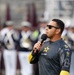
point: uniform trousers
(10, 58)
(26, 67)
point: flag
(8, 16)
(31, 14)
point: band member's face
(71, 29)
(43, 24)
(10, 27)
(25, 28)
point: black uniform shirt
(53, 57)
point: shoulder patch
(66, 47)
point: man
(9, 38)
(25, 46)
(36, 36)
(53, 56)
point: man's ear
(58, 31)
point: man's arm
(65, 60)
(33, 57)
(63, 72)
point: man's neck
(55, 38)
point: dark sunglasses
(50, 27)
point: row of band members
(13, 42)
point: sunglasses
(50, 27)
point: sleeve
(33, 57)
(65, 60)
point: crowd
(15, 43)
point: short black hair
(60, 24)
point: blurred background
(18, 10)
(37, 13)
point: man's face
(51, 29)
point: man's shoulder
(64, 43)
(65, 46)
